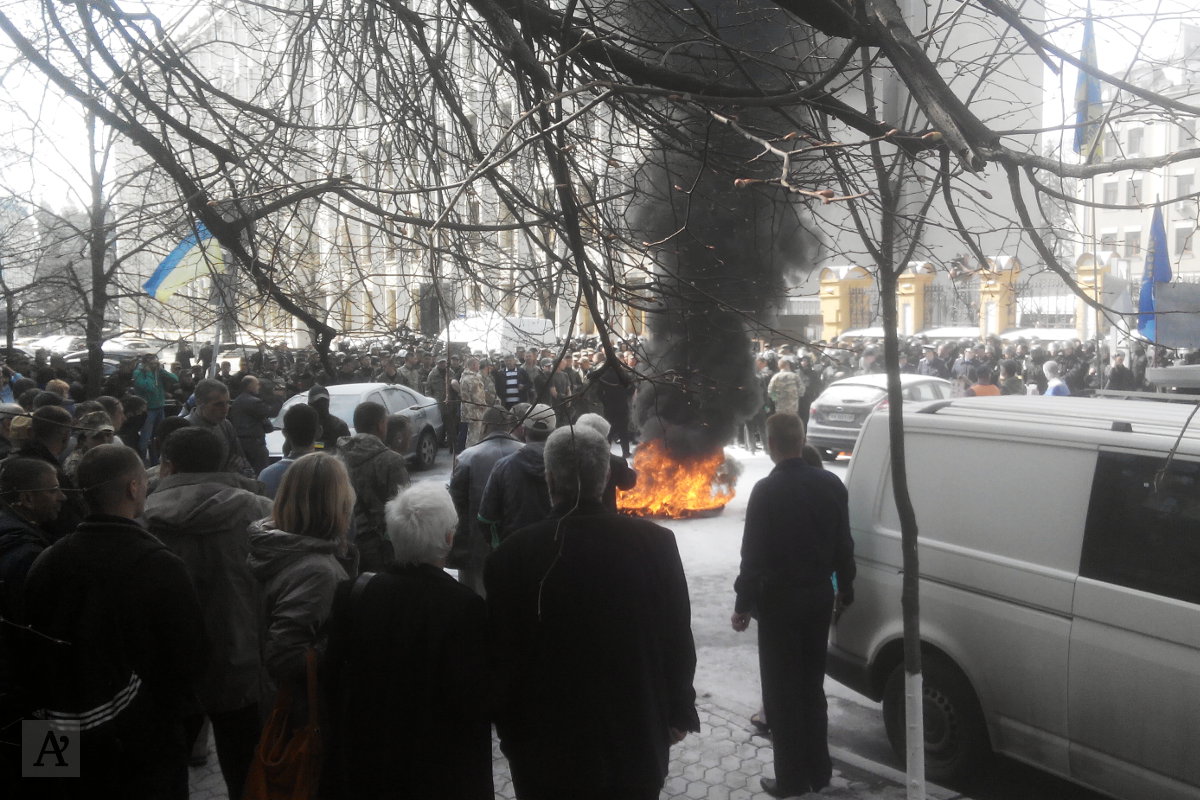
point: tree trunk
(909, 596)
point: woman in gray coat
(299, 555)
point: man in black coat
(49, 434)
(592, 626)
(251, 419)
(797, 535)
(29, 499)
(119, 640)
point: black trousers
(793, 632)
(236, 735)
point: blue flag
(1088, 109)
(1157, 270)
(197, 255)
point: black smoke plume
(721, 252)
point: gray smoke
(724, 251)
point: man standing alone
(797, 534)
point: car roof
(878, 380)
(354, 388)
(1110, 421)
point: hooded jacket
(297, 576)
(376, 473)
(516, 494)
(205, 519)
(20, 543)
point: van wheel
(956, 739)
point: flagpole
(1095, 242)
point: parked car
(423, 415)
(112, 361)
(838, 413)
(1059, 588)
(59, 343)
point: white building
(361, 259)
(1119, 231)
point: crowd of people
(149, 593)
(791, 378)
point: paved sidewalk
(722, 762)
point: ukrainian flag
(1089, 111)
(197, 255)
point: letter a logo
(48, 750)
(51, 744)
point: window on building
(1143, 525)
(474, 215)
(1108, 242)
(1133, 139)
(1185, 184)
(1134, 191)
(1183, 241)
(1133, 243)
(1185, 133)
(1111, 150)
(508, 238)
(1108, 193)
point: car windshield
(852, 393)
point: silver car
(838, 414)
(425, 420)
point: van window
(1143, 526)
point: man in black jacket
(251, 419)
(797, 535)
(118, 639)
(377, 473)
(29, 499)
(49, 433)
(212, 412)
(591, 617)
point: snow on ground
(727, 662)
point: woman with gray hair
(407, 669)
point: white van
(1060, 587)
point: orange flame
(667, 487)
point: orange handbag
(287, 761)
